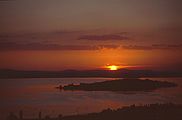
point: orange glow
(50, 60)
(113, 67)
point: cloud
(104, 37)
(154, 47)
(8, 46)
(36, 35)
(61, 36)
(14, 45)
(55, 40)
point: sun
(113, 67)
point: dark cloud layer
(61, 36)
(61, 40)
(154, 47)
(37, 35)
(7, 46)
(104, 37)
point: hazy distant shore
(122, 73)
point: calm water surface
(39, 94)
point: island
(132, 84)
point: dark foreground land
(120, 85)
(147, 112)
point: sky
(89, 34)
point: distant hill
(122, 73)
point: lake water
(39, 94)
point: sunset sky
(89, 34)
